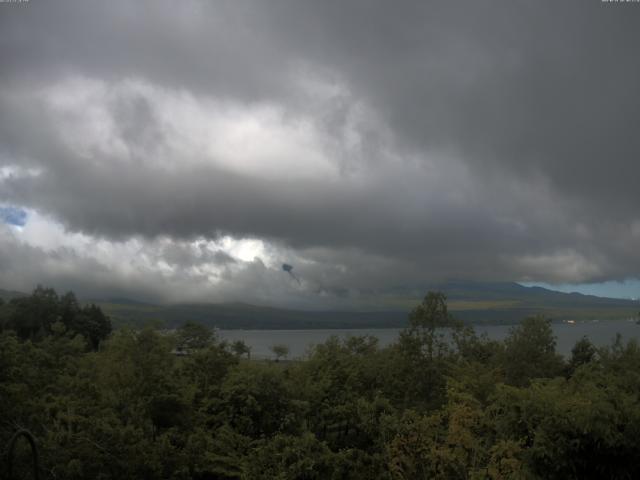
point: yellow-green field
(461, 305)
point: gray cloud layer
(385, 144)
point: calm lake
(601, 333)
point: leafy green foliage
(240, 348)
(280, 351)
(33, 317)
(193, 336)
(530, 352)
(441, 403)
(582, 353)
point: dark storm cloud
(494, 139)
(536, 87)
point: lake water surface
(601, 333)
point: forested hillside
(473, 302)
(427, 407)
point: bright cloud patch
(134, 121)
(227, 269)
(187, 151)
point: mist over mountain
(472, 302)
(7, 295)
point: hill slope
(7, 295)
(471, 302)
(510, 302)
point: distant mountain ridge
(472, 302)
(514, 291)
(9, 294)
(509, 302)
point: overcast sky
(186, 150)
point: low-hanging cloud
(380, 146)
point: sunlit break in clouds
(13, 216)
(187, 151)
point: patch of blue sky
(13, 216)
(629, 288)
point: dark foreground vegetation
(125, 406)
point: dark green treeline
(437, 404)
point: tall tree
(530, 352)
(280, 351)
(194, 336)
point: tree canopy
(33, 317)
(440, 403)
